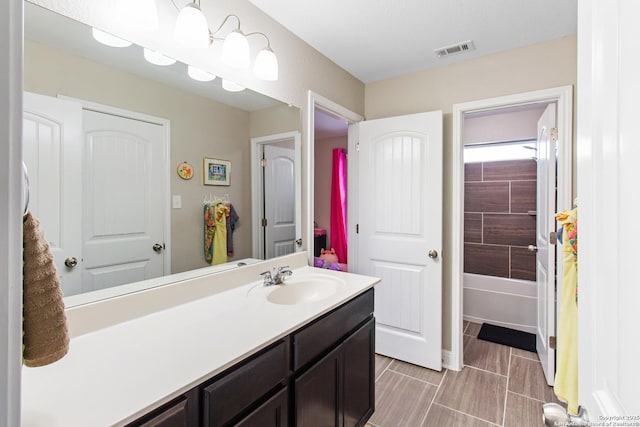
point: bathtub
(511, 303)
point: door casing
(563, 97)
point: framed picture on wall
(216, 172)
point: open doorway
(329, 130)
(553, 178)
(330, 192)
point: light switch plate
(177, 202)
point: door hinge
(357, 228)
(552, 342)
(358, 146)
(553, 237)
(263, 162)
(264, 222)
(554, 134)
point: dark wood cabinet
(320, 375)
(180, 412)
(273, 413)
(338, 390)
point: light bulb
(157, 58)
(265, 66)
(109, 39)
(199, 74)
(230, 86)
(191, 27)
(235, 50)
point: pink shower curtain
(338, 236)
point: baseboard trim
(448, 361)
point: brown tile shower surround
(499, 386)
(497, 225)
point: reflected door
(124, 212)
(52, 152)
(400, 232)
(279, 201)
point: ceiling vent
(455, 49)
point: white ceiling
(378, 39)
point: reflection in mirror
(116, 148)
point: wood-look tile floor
(498, 386)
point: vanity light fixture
(157, 58)
(191, 27)
(109, 39)
(193, 30)
(231, 86)
(200, 74)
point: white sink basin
(303, 289)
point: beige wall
(502, 127)
(322, 180)
(199, 127)
(535, 67)
(272, 121)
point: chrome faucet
(277, 276)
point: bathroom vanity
(231, 352)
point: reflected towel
(46, 337)
(209, 231)
(232, 219)
(566, 381)
(220, 237)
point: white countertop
(115, 374)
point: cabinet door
(273, 413)
(358, 377)
(317, 394)
(176, 415)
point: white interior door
(279, 201)
(608, 199)
(52, 151)
(124, 197)
(545, 225)
(400, 232)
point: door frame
(166, 156)
(257, 186)
(563, 97)
(314, 101)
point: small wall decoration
(216, 172)
(185, 170)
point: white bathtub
(504, 302)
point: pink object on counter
(319, 232)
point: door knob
(299, 242)
(433, 254)
(532, 248)
(158, 247)
(71, 262)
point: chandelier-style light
(192, 30)
(191, 27)
(109, 39)
(157, 58)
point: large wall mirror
(106, 133)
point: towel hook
(26, 188)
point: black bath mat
(506, 336)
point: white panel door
(545, 224)
(52, 151)
(123, 200)
(400, 224)
(279, 201)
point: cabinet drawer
(229, 396)
(325, 332)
